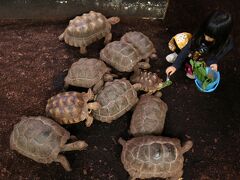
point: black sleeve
(215, 58)
(182, 56)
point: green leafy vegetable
(199, 70)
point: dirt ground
(33, 65)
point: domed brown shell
(152, 156)
(38, 138)
(148, 116)
(86, 72)
(67, 107)
(86, 29)
(120, 55)
(150, 81)
(141, 42)
(116, 98)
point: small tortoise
(148, 116)
(154, 156)
(86, 29)
(121, 55)
(42, 139)
(142, 43)
(116, 98)
(71, 107)
(88, 73)
(150, 82)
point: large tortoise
(122, 56)
(150, 82)
(88, 73)
(42, 139)
(148, 116)
(154, 156)
(142, 43)
(72, 107)
(115, 99)
(86, 29)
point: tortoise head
(113, 20)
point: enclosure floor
(33, 65)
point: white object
(171, 57)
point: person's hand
(170, 70)
(214, 67)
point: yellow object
(180, 39)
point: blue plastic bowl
(212, 86)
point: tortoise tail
(187, 146)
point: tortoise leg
(61, 37)
(75, 146)
(74, 138)
(97, 86)
(147, 60)
(93, 106)
(131, 178)
(83, 50)
(158, 94)
(108, 38)
(89, 121)
(66, 85)
(64, 162)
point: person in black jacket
(210, 43)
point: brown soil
(33, 65)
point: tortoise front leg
(89, 121)
(93, 106)
(75, 146)
(108, 38)
(83, 50)
(64, 162)
(61, 37)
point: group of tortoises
(147, 154)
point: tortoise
(148, 116)
(115, 99)
(122, 56)
(142, 43)
(41, 139)
(72, 107)
(150, 82)
(88, 28)
(154, 156)
(88, 73)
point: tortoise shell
(148, 116)
(120, 55)
(38, 138)
(116, 98)
(86, 29)
(141, 42)
(150, 81)
(152, 156)
(67, 107)
(86, 72)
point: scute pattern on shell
(86, 72)
(141, 42)
(84, 30)
(66, 107)
(149, 81)
(116, 98)
(120, 55)
(148, 116)
(38, 138)
(152, 156)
